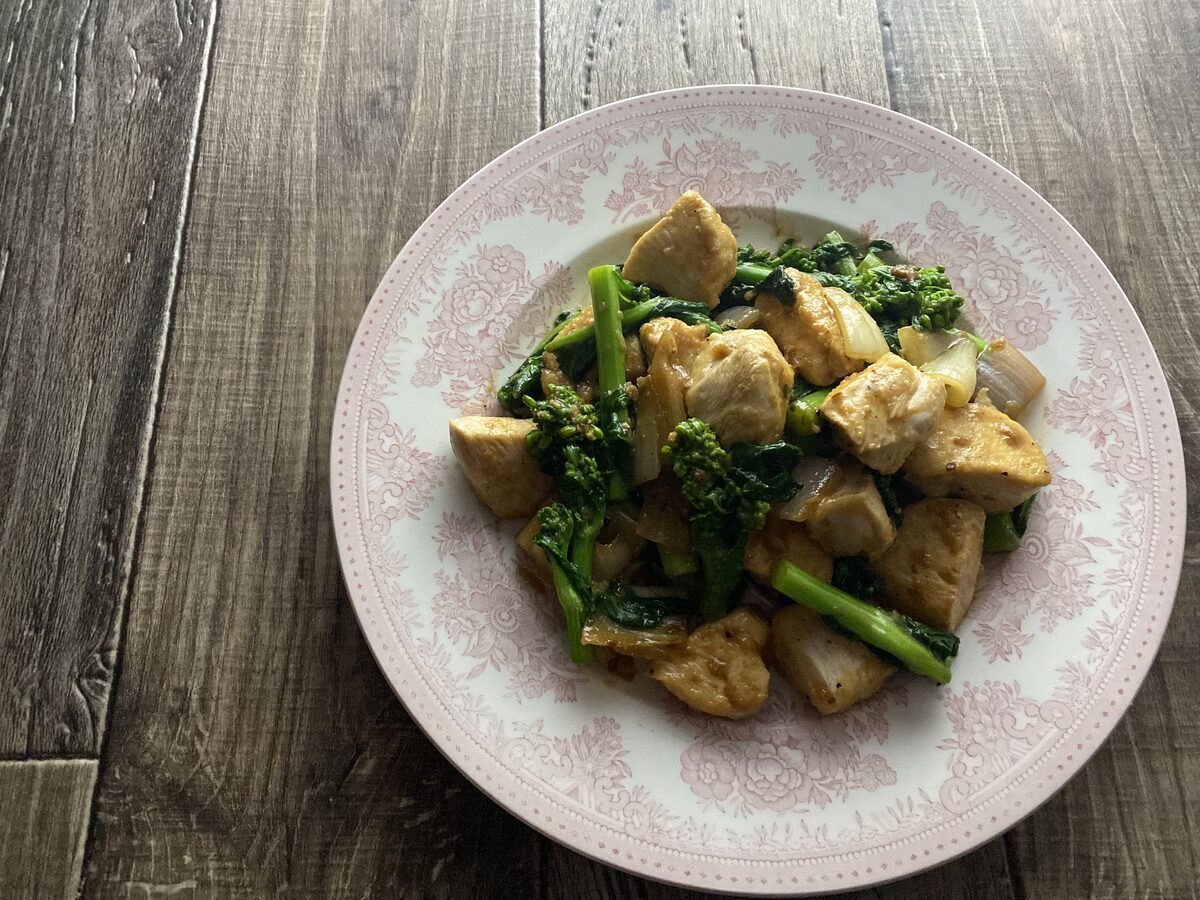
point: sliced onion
(919, 346)
(669, 383)
(739, 317)
(1012, 382)
(861, 335)
(813, 473)
(646, 440)
(647, 643)
(611, 558)
(955, 368)
(663, 519)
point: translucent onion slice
(612, 557)
(813, 473)
(919, 347)
(1012, 382)
(955, 368)
(647, 643)
(739, 317)
(646, 439)
(862, 336)
(664, 516)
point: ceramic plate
(1061, 632)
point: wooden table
(197, 198)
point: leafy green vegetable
(526, 381)
(894, 295)
(913, 645)
(626, 607)
(729, 496)
(556, 536)
(568, 443)
(854, 575)
(1002, 532)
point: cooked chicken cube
(741, 385)
(780, 540)
(807, 331)
(847, 516)
(689, 253)
(833, 670)
(720, 670)
(883, 412)
(931, 568)
(491, 450)
(977, 453)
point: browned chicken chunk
(720, 670)
(492, 453)
(689, 253)
(977, 453)
(807, 331)
(847, 516)
(931, 568)
(884, 411)
(741, 386)
(780, 540)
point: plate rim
(1168, 431)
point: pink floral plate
(1060, 635)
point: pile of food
(726, 435)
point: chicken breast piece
(847, 517)
(881, 413)
(780, 540)
(689, 253)
(807, 331)
(931, 568)
(741, 385)
(833, 670)
(977, 453)
(720, 670)
(491, 451)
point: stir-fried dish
(724, 433)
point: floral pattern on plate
(1061, 632)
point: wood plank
(46, 808)
(98, 107)
(254, 747)
(587, 54)
(596, 53)
(1094, 105)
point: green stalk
(845, 265)
(751, 273)
(526, 380)
(870, 261)
(803, 412)
(877, 627)
(573, 611)
(605, 284)
(632, 317)
(676, 564)
(1002, 532)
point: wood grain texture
(98, 102)
(1094, 105)
(46, 807)
(254, 748)
(605, 50)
